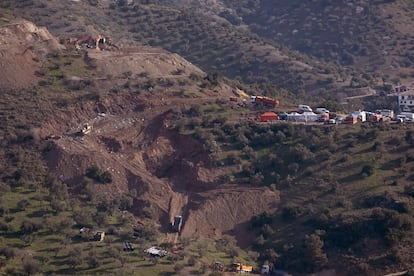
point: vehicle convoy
(262, 100)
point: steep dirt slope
(131, 138)
(22, 46)
(169, 171)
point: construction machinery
(177, 223)
(86, 41)
(263, 100)
(218, 266)
(242, 269)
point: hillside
(204, 39)
(130, 173)
(124, 138)
(374, 36)
(253, 40)
(369, 36)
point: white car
(321, 110)
(304, 108)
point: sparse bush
(94, 173)
(28, 227)
(291, 211)
(31, 266)
(7, 252)
(178, 268)
(367, 170)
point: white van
(321, 110)
(304, 108)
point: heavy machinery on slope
(86, 41)
(177, 223)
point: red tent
(268, 117)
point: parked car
(321, 110)
(304, 108)
(331, 122)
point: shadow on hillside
(365, 151)
(244, 237)
(40, 213)
(166, 273)
(350, 178)
(392, 164)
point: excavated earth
(132, 138)
(170, 172)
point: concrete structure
(406, 100)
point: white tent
(302, 117)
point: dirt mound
(22, 46)
(227, 209)
(141, 60)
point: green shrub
(93, 172)
(367, 170)
(291, 211)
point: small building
(406, 100)
(401, 88)
(269, 117)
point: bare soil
(131, 135)
(22, 46)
